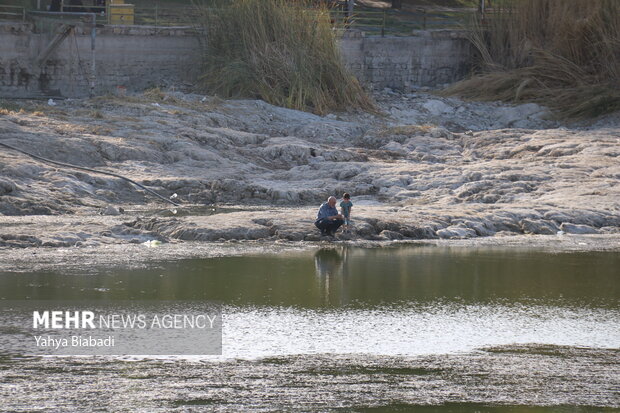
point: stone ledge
(15, 27)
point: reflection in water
(330, 265)
(351, 277)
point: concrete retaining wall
(138, 57)
(133, 57)
(426, 58)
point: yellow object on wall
(121, 13)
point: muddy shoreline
(500, 378)
(88, 259)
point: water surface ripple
(348, 329)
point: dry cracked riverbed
(428, 168)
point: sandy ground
(428, 168)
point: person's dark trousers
(328, 226)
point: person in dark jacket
(328, 219)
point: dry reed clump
(8, 107)
(561, 53)
(150, 96)
(280, 51)
(157, 95)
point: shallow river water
(348, 329)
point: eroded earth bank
(425, 168)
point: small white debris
(51, 102)
(173, 196)
(110, 210)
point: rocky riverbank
(427, 168)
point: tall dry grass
(561, 53)
(283, 52)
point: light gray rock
(455, 231)
(437, 107)
(347, 173)
(483, 229)
(110, 210)
(6, 186)
(391, 235)
(510, 116)
(363, 229)
(346, 236)
(543, 227)
(312, 236)
(414, 232)
(557, 216)
(578, 229)
(440, 133)
(474, 190)
(288, 153)
(394, 147)
(291, 235)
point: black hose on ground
(68, 165)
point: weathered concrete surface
(139, 57)
(425, 59)
(130, 57)
(275, 166)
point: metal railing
(138, 15)
(392, 22)
(9, 12)
(165, 16)
(370, 21)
